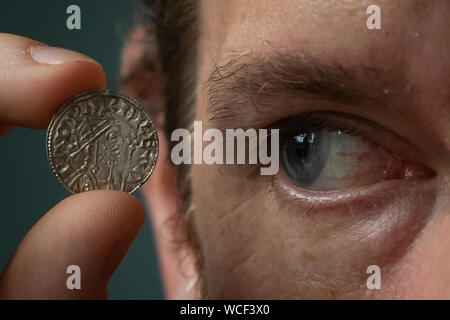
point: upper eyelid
(320, 120)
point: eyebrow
(241, 90)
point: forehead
(320, 26)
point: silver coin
(102, 140)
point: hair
(174, 26)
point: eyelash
(318, 120)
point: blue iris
(304, 155)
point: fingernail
(55, 55)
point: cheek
(331, 248)
(230, 218)
(426, 274)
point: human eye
(329, 153)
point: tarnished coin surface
(102, 140)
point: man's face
(378, 195)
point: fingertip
(104, 206)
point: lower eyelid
(353, 199)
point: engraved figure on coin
(78, 149)
(104, 142)
(111, 152)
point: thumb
(92, 230)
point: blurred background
(28, 189)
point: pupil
(304, 144)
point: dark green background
(28, 189)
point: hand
(93, 229)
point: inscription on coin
(102, 140)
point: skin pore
(264, 237)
